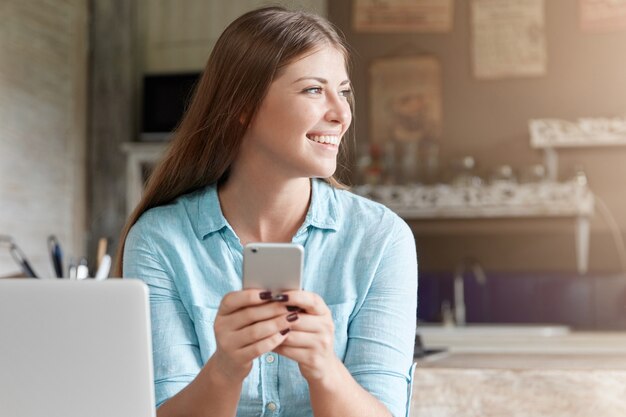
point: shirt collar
(324, 209)
(322, 213)
(209, 217)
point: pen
(82, 271)
(104, 268)
(56, 255)
(20, 258)
(71, 269)
(102, 250)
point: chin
(326, 172)
(319, 169)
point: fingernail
(285, 331)
(292, 317)
(280, 297)
(265, 295)
(294, 308)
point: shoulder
(361, 211)
(169, 220)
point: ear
(246, 114)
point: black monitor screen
(165, 98)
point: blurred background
(445, 91)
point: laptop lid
(75, 349)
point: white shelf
(584, 133)
(546, 199)
(138, 155)
(501, 200)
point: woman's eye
(313, 90)
(346, 93)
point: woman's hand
(249, 323)
(311, 340)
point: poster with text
(603, 15)
(508, 38)
(402, 15)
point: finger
(309, 323)
(314, 341)
(247, 316)
(297, 354)
(237, 300)
(261, 330)
(307, 301)
(254, 350)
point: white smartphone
(273, 266)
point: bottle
(374, 171)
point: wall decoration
(602, 15)
(508, 38)
(406, 114)
(405, 99)
(402, 15)
(587, 131)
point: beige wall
(488, 119)
(43, 52)
(179, 39)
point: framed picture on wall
(402, 15)
(508, 38)
(405, 99)
(602, 15)
(406, 115)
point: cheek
(348, 118)
(306, 113)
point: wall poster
(402, 15)
(602, 15)
(405, 98)
(508, 38)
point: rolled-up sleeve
(381, 335)
(175, 348)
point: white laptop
(75, 349)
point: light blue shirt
(359, 256)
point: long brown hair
(247, 57)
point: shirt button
(271, 406)
(270, 358)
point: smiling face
(302, 119)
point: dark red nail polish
(265, 295)
(280, 297)
(292, 317)
(294, 308)
(285, 331)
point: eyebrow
(319, 79)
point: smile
(325, 139)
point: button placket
(269, 363)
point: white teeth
(331, 139)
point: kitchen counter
(521, 339)
(521, 384)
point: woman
(264, 128)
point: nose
(339, 110)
